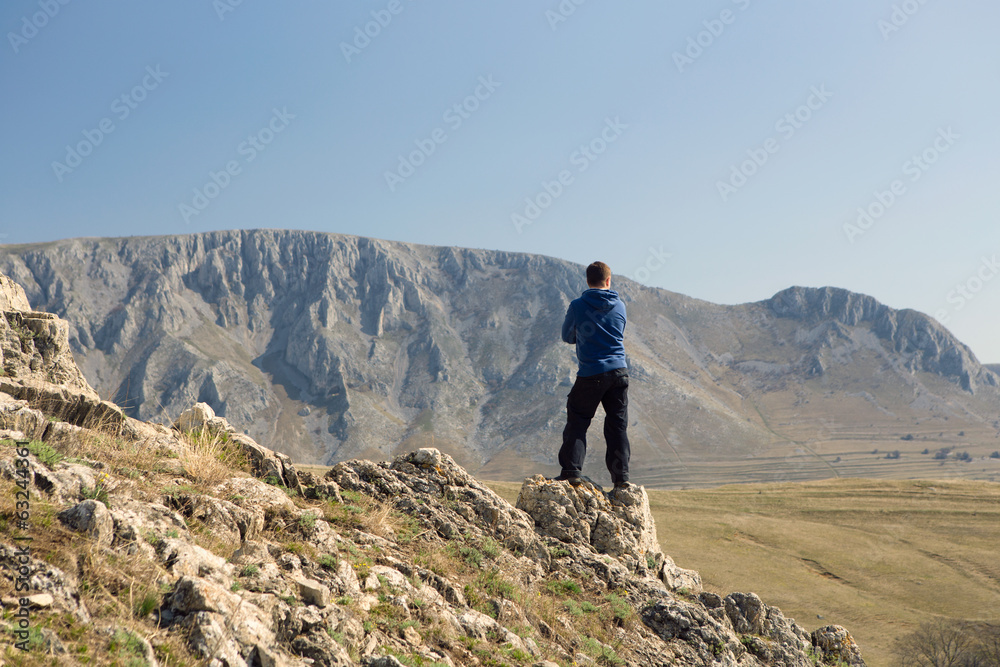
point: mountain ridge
(349, 346)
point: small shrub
(307, 521)
(490, 548)
(995, 455)
(129, 647)
(472, 556)
(328, 562)
(99, 493)
(45, 453)
(563, 587)
(604, 655)
(497, 586)
(249, 570)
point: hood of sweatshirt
(600, 299)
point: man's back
(596, 323)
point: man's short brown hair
(598, 274)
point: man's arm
(569, 327)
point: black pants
(610, 390)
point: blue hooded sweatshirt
(596, 323)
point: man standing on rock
(596, 324)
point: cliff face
(920, 343)
(328, 347)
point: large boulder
(618, 524)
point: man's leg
(615, 402)
(581, 405)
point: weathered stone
(835, 645)
(193, 594)
(383, 661)
(209, 637)
(583, 514)
(91, 517)
(41, 600)
(226, 520)
(195, 418)
(185, 559)
(46, 579)
(322, 650)
(12, 296)
(313, 592)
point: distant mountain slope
(329, 347)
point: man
(596, 324)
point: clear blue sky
(189, 88)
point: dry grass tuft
(210, 457)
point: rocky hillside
(329, 347)
(129, 543)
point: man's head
(599, 276)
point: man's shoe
(574, 480)
(620, 488)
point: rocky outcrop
(620, 525)
(289, 586)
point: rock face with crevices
(620, 525)
(330, 347)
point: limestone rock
(184, 559)
(46, 579)
(12, 296)
(91, 517)
(428, 475)
(621, 526)
(313, 592)
(835, 645)
(266, 463)
(227, 521)
(195, 418)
